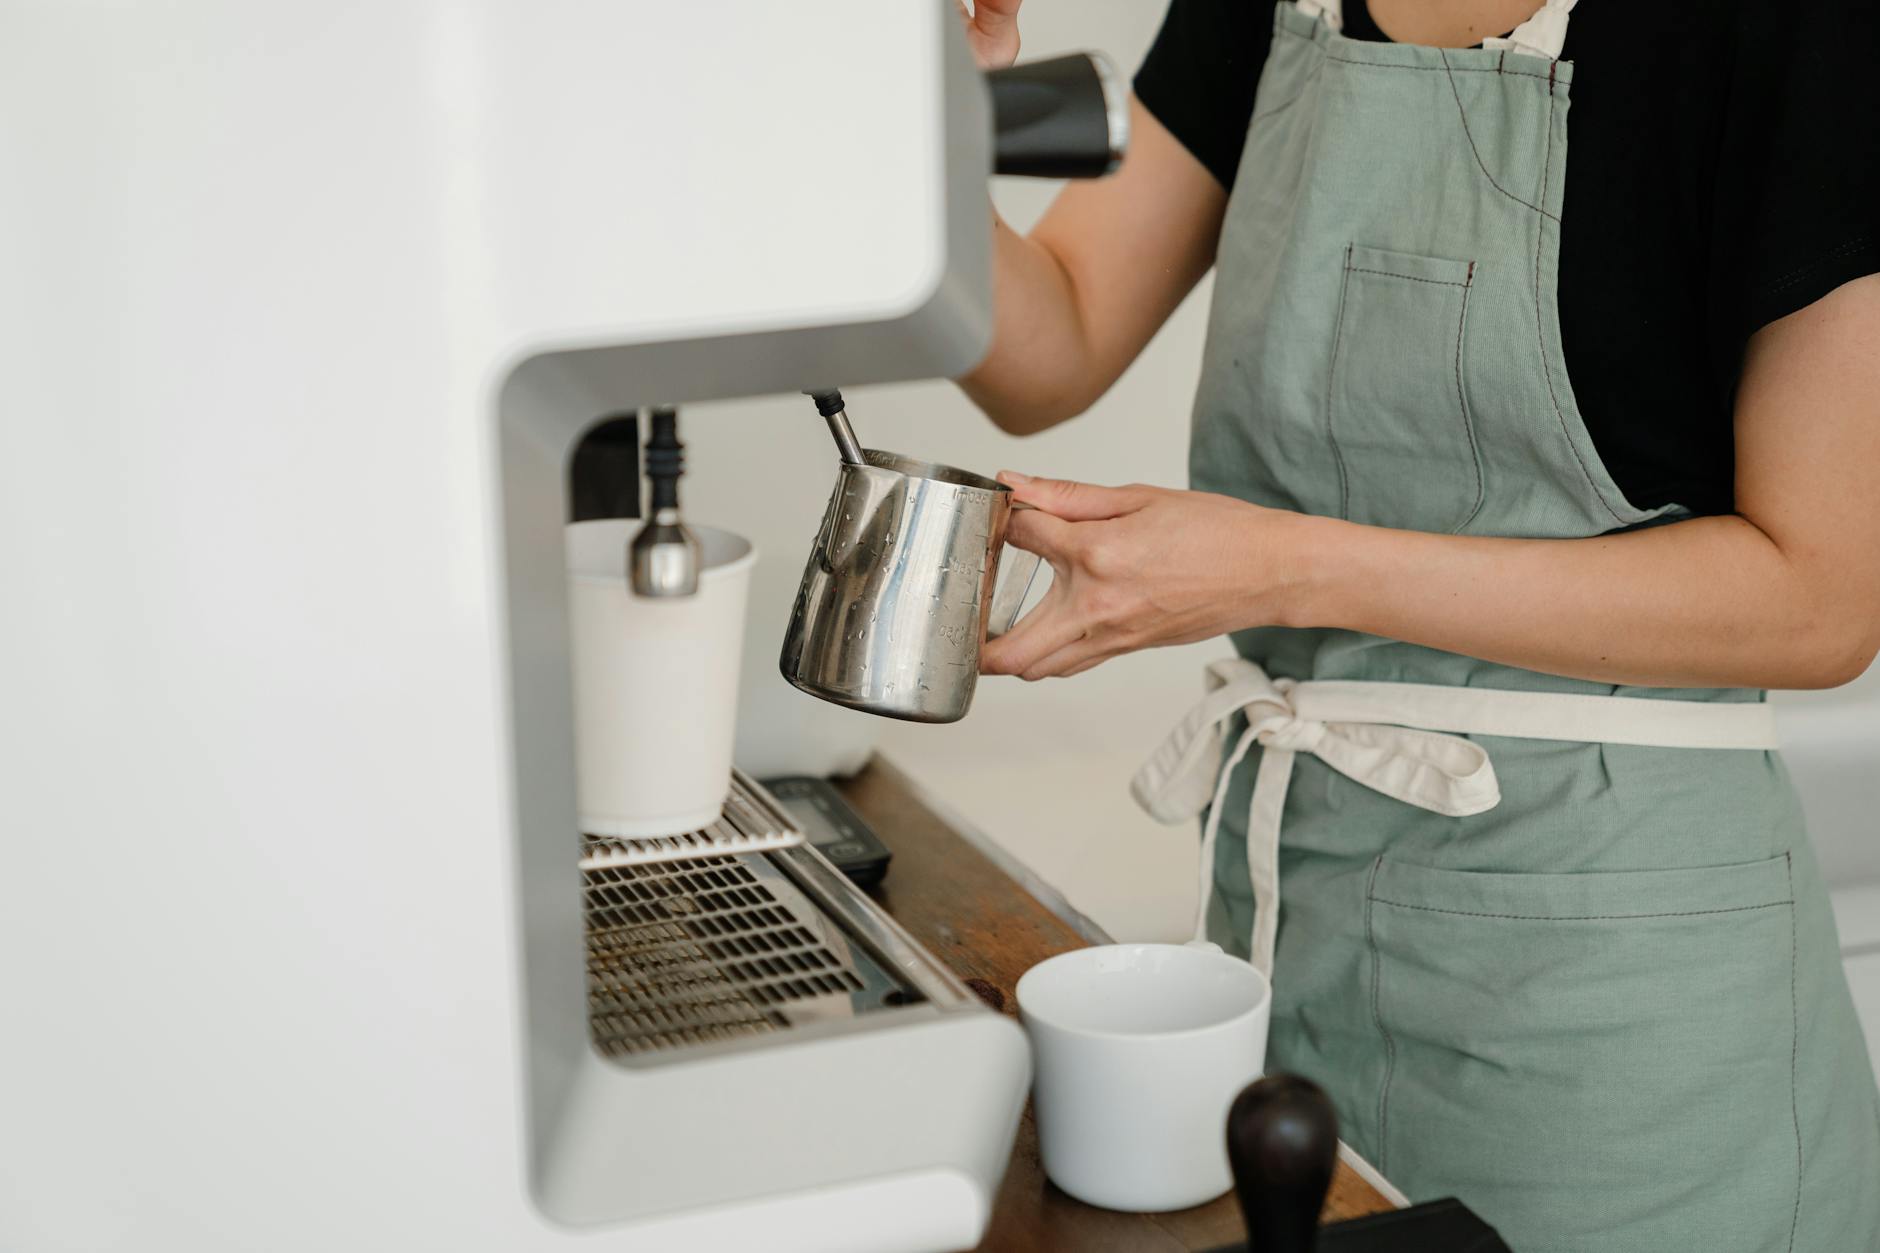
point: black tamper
(1282, 1141)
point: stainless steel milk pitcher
(900, 589)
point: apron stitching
(1331, 436)
(1276, 109)
(1462, 403)
(1304, 87)
(1483, 165)
(1377, 1017)
(1547, 369)
(1681, 913)
(1433, 69)
(1795, 1016)
(1440, 282)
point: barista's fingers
(1092, 664)
(1036, 531)
(1074, 658)
(1076, 502)
(992, 30)
(1039, 633)
(996, 16)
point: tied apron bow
(1441, 773)
(1399, 739)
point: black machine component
(663, 558)
(665, 459)
(834, 829)
(1282, 1140)
(1065, 117)
(604, 473)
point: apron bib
(1556, 947)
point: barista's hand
(1138, 567)
(992, 30)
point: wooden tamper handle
(1282, 1141)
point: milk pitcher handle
(1017, 570)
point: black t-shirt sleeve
(1200, 77)
(1798, 165)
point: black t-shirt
(1723, 170)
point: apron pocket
(1396, 413)
(1600, 1060)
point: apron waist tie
(1400, 739)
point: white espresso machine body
(302, 308)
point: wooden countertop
(977, 918)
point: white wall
(1831, 741)
(1043, 769)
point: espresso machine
(304, 308)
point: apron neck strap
(1542, 35)
(1331, 12)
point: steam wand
(829, 404)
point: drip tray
(717, 949)
(747, 825)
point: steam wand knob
(663, 558)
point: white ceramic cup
(1138, 1050)
(655, 683)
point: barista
(1528, 452)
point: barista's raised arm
(1079, 297)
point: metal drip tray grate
(712, 949)
(748, 825)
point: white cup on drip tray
(655, 683)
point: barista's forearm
(1710, 602)
(1785, 593)
(1077, 298)
(1040, 370)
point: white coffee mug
(655, 683)
(1137, 1052)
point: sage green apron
(1557, 948)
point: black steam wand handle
(1282, 1141)
(665, 459)
(1065, 117)
(663, 557)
